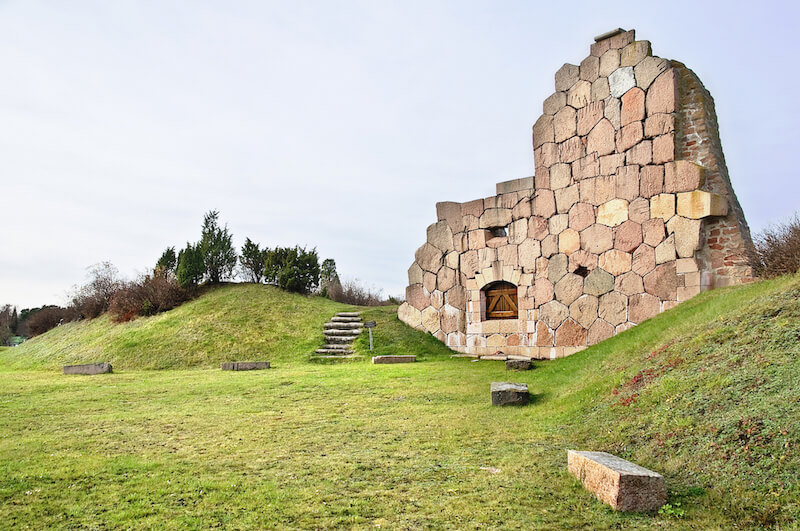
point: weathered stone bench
(394, 359)
(509, 394)
(88, 368)
(518, 365)
(623, 485)
(244, 365)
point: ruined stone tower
(630, 212)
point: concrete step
(340, 339)
(348, 314)
(345, 326)
(329, 357)
(338, 319)
(337, 346)
(351, 332)
(333, 351)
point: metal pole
(370, 339)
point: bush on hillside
(292, 268)
(40, 320)
(92, 299)
(777, 249)
(351, 292)
(150, 294)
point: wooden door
(501, 301)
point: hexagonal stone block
(564, 123)
(615, 261)
(634, 53)
(601, 138)
(639, 210)
(569, 241)
(571, 149)
(584, 310)
(651, 181)
(580, 94)
(430, 319)
(588, 117)
(687, 235)
(648, 70)
(629, 136)
(553, 314)
(662, 96)
(612, 213)
(609, 62)
(632, 106)
(597, 238)
(557, 267)
(629, 284)
(613, 308)
(628, 236)
(417, 296)
(662, 206)
(643, 260)
(581, 216)
(662, 282)
(621, 81)
(429, 257)
(569, 288)
(642, 307)
(543, 131)
(544, 203)
(570, 334)
(542, 291)
(665, 251)
(554, 102)
(598, 282)
(566, 76)
(599, 331)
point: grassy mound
(707, 394)
(240, 321)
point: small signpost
(369, 325)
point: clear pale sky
(336, 125)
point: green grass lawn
(706, 394)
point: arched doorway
(500, 301)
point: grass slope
(231, 322)
(706, 394)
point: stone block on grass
(380, 360)
(518, 365)
(509, 394)
(88, 368)
(623, 485)
(244, 365)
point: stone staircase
(340, 332)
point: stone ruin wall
(630, 212)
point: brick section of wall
(727, 239)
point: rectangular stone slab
(244, 365)
(379, 360)
(509, 394)
(89, 368)
(623, 485)
(518, 365)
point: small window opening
(498, 232)
(582, 271)
(501, 301)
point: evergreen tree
(216, 246)
(190, 269)
(252, 261)
(328, 276)
(168, 261)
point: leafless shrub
(352, 292)
(777, 249)
(43, 320)
(94, 297)
(150, 294)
